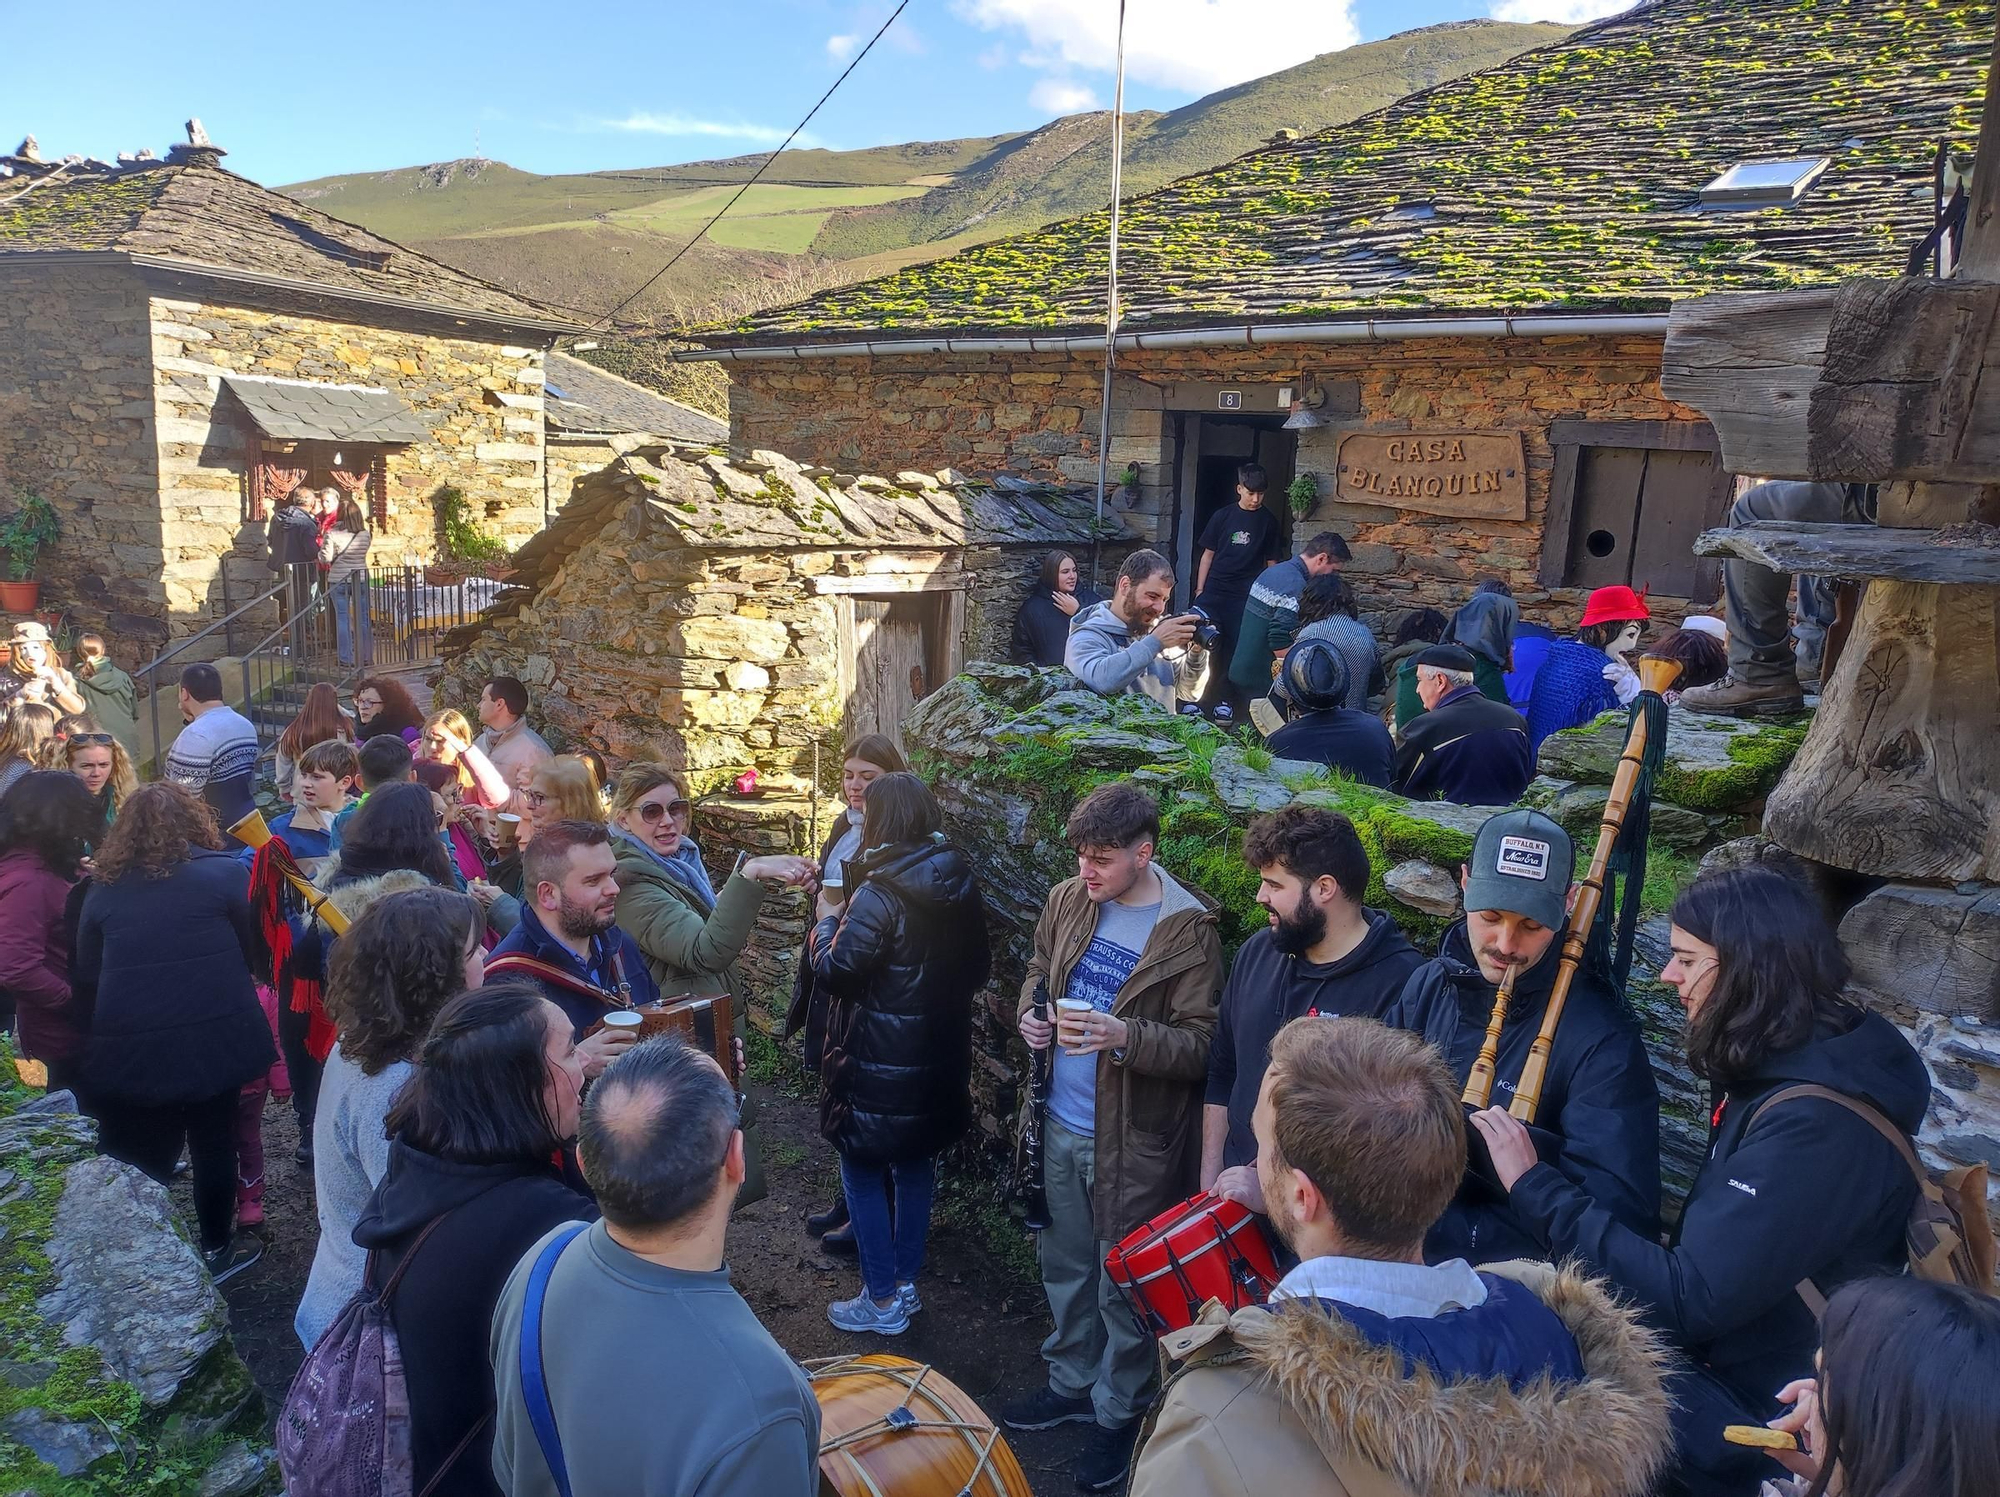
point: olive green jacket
(686, 950)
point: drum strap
(534, 1386)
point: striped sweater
(217, 755)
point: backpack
(1949, 1235)
(345, 1427)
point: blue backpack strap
(534, 1387)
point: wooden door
(1685, 494)
(1608, 484)
(896, 655)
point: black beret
(1447, 658)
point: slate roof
(191, 212)
(1566, 178)
(581, 399)
(768, 502)
(295, 410)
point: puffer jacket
(901, 964)
(1304, 1399)
(1148, 1124)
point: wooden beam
(1979, 257)
(1967, 557)
(881, 584)
(1655, 436)
(1749, 362)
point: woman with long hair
(560, 789)
(1795, 1198)
(1041, 627)
(319, 719)
(481, 1142)
(389, 976)
(901, 960)
(448, 739)
(164, 953)
(394, 830)
(382, 704)
(1906, 1400)
(864, 761)
(25, 736)
(343, 551)
(96, 757)
(46, 822)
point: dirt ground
(981, 1325)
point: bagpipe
(279, 889)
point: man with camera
(1131, 643)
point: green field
(781, 218)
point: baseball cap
(1522, 861)
(1447, 658)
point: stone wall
(571, 458)
(1037, 414)
(117, 1373)
(483, 402)
(76, 426)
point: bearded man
(1326, 955)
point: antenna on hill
(1110, 297)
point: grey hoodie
(1104, 654)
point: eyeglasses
(90, 740)
(652, 810)
(535, 798)
(368, 702)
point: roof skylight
(1764, 184)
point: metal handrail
(146, 671)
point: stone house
(730, 613)
(593, 415)
(179, 347)
(1450, 314)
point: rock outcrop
(116, 1369)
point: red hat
(1614, 604)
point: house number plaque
(1478, 474)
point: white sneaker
(862, 1314)
(911, 1301)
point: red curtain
(270, 480)
(363, 480)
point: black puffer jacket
(901, 965)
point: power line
(605, 321)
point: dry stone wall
(1037, 415)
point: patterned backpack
(345, 1427)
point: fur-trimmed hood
(354, 897)
(1370, 1417)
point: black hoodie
(1812, 1192)
(1599, 1113)
(902, 964)
(443, 1309)
(1268, 989)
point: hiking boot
(840, 1242)
(1733, 698)
(822, 1222)
(1106, 1457)
(1265, 714)
(232, 1258)
(1045, 1409)
(862, 1314)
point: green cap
(1522, 861)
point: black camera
(1207, 633)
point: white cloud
(1195, 45)
(995, 56)
(1569, 12)
(1062, 96)
(840, 48)
(642, 122)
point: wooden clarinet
(1479, 1081)
(1654, 676)
(254, 831)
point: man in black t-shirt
(1239, 541)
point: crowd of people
(538, 1201)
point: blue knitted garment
(1570, 690)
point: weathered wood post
(1891, 382)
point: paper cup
(1071, 1010)
(623, 1020)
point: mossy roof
(195, 213)
(1566, 178)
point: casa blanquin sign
(1475, 473)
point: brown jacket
(1148, 1104)
(1295, 1400)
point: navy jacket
(1600, 1108)
(167, 963)
(614, 958)
(1812, 1191)
(1041, 630)
(1511, 1334)
(1468, 749)
(902, 965)
(1353, 742)
(1268, 989)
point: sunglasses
(651, 811)
(90, 740)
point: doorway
(895, 651)
(1211, 449)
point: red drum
(1203, 1249)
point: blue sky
(296, 91)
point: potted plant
(24, 535)
(1303, 492)
(463, 548)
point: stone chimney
(198, 150)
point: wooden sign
(1475, 473)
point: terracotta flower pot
(19, 597)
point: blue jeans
(890, 1255)
(350, 615)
